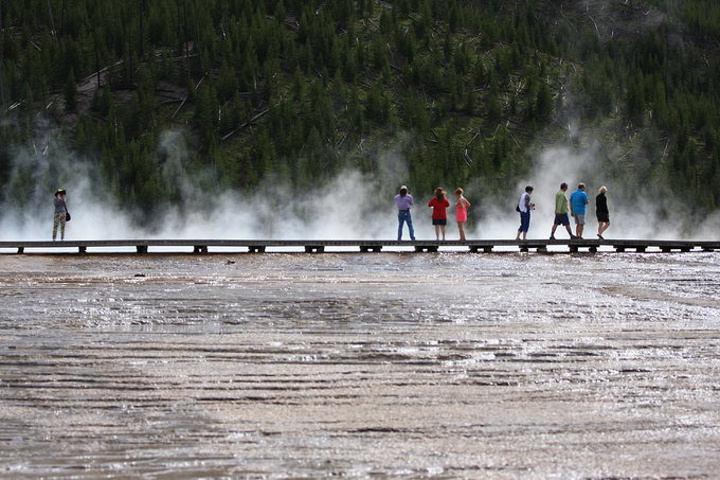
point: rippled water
(387, 365)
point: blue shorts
(524, 222)
(562, 219)
(439, 221)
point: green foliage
(70, 93)
(293, 90)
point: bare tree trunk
(2, 62)
(52, 19)
(143, 6)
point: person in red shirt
(439, 203)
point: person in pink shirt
(461, 206)
(439, 203)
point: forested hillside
(298, 90)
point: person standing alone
(404, 202)
(61, 214)
(578, 204)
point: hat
(403, 187)
(60, 191)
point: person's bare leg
(602, 226)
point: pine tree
(70, 93)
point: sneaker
(573, 237)
(552, 237)
(600, 237)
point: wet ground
(388, 365)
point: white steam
(353, 205)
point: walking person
(439, 203)
(461, 206)
(404, 202)
(578, 203)
(562, 208)
(601, 212)
(61, 214)
(524, 207)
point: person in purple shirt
(404, 202)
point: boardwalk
(319, 246)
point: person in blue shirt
(578, 203)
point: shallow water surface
(385, 365)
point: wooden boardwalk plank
(200, 246)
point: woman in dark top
(602, 212)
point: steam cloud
(352, 206)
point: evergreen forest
(298, 91)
